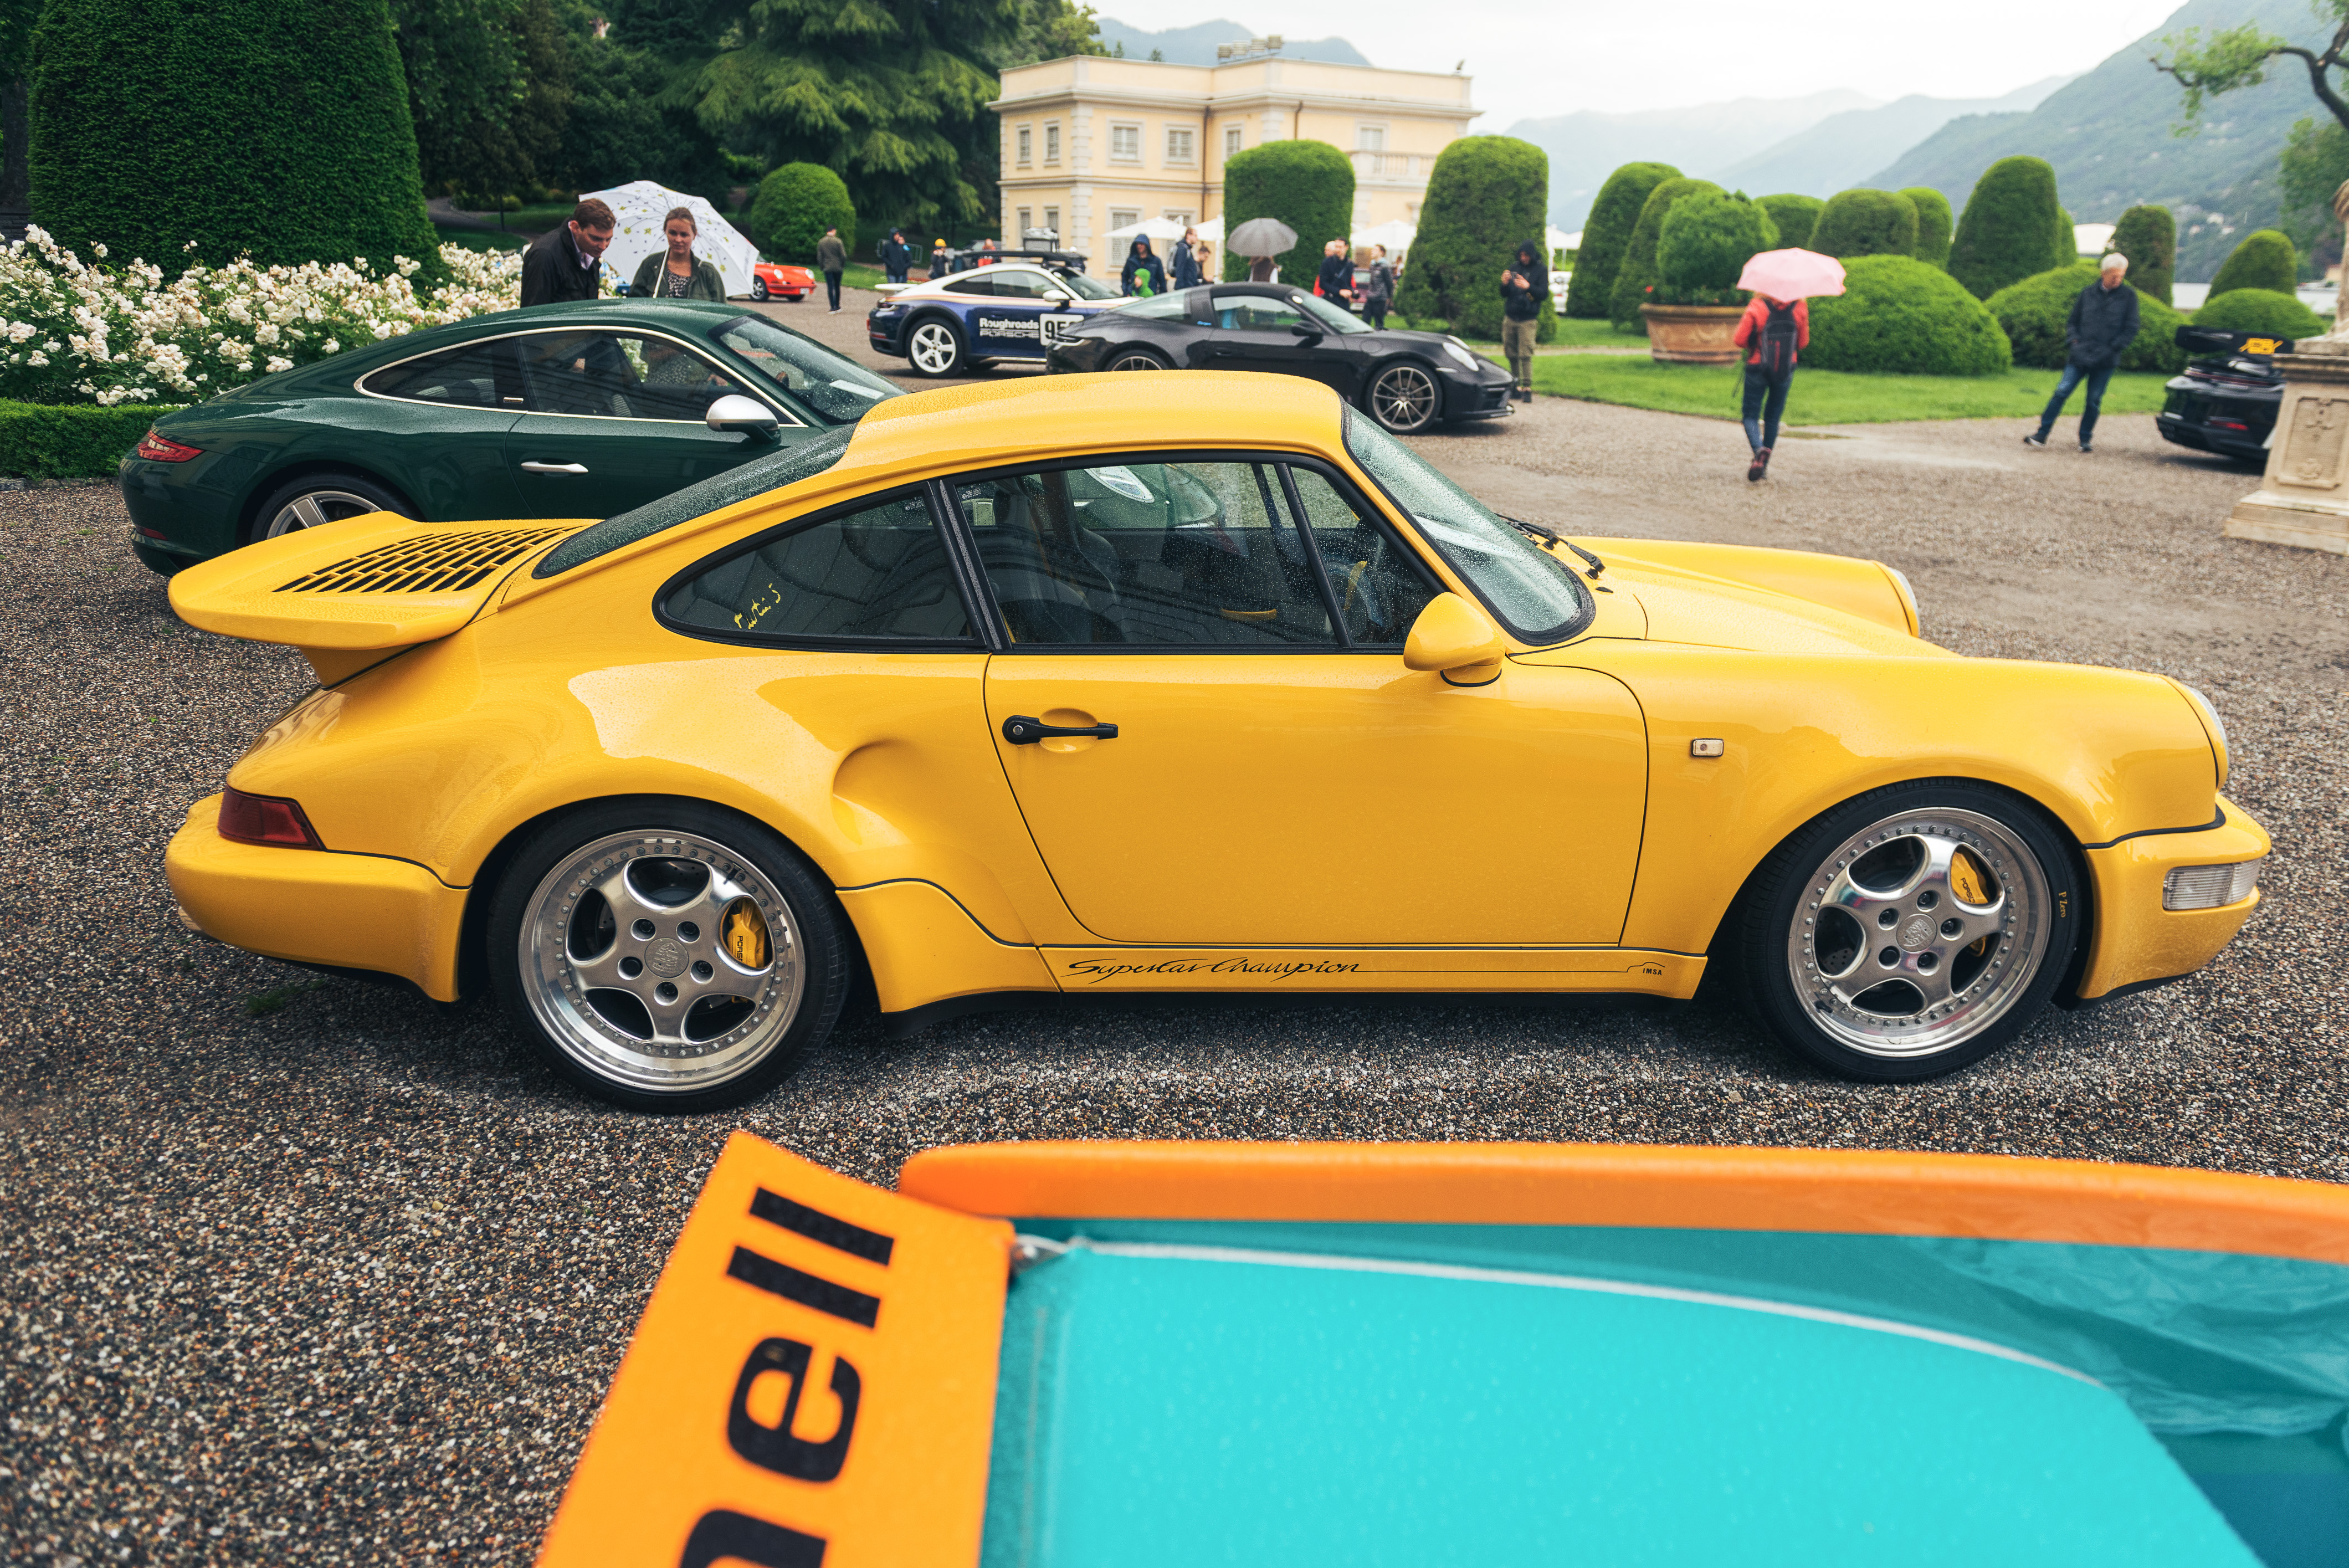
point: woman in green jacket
(677, 273)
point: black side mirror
(1306, 331)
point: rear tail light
(267, 820)
(155, 449)
(2209, 887)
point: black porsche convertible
(1408, 381)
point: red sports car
(772, 280)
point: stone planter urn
(1692, 334)
(2304, 498)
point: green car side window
(474, 375)
(756, 477)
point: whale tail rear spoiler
(349, 593)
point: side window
(1182, 554)
(1157, 308)
(477, 376)
(979, 284)
(1256, 313)
(1379, 587)
(619, 376)
(1019, 284)
(879, 572)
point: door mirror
(1453, 635)
(749, 415)
(1306, 331)
(1056, 296)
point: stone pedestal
(2304, 498)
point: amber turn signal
(265, 819)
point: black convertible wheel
(1405, 398)
(666, 955)
(1911, 931)
(318, 498)
(935, 347)
(1136, 360)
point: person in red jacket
(1771, 332)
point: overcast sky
(1541, 57)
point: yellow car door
(1203, 712)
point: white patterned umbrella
(640, 205)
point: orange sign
(813, 1383)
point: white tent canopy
(1155, 229)
(639, 206)
(1395, 233)
(1212, 231)
(1558, 239)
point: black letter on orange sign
(774, 1448)
(722, 1533)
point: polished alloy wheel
(1403, 398)
(1137, 361)
(934, 349)
(660, 961)
(759, 289)
(1919, 932)
(315, 508)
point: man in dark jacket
(1525, 284)
(1187, 260)
(1336, 281)
(897, 255)
(563, 264)
(832, 260)
(1145, 273)
(2102, 324)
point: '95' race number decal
(812, 1385)
(1042, 330)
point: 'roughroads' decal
(1044, 330)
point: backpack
(1774, 345)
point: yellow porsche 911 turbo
(1067, 687)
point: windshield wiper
(1543, 533)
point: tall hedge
(1897, 314)
(2011, 227)
(277, 129)
(2034, 313)
(793, 207)
(2147, 235)
(1638, 274)
(2264, 260)
(1866, 224)
(1309, 186)
(1795, 217)
(1485, 196)
(1607, 234)
(1935, 224)
(1706, 241)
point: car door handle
(1022, 731)
(554, 468)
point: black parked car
(1408, 381)
(2226, 403)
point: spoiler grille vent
(435, 564)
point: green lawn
(1827, 397)
(1571, 334)
(478, 239)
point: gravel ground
(307, 1271)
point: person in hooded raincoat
(1145, 273)
(1524, 288)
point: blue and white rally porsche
(1014, 309)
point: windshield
(1534, 593)
(1335, 317)
(1085, 287)
(835, 387)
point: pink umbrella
(1792, 275)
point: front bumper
(887, 335)
(1477, 395)
(2137, 940)
(315, 905)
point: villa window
(1024, 224)
(1027, 142)
(1053, 142)
(1370, 139)
(1178, 144)
(1125, 143)
(1053, 219)
(1231, 141)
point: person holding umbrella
(1775, 329)
(1262, 239)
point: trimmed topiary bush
(1309, 186)
(1899, 314)
(1637, 276)
(2264, 260)
(1935, 224)
(1793, 216)
(794, 205)
(2011, 227)
(1866, 224)
(2261, 310)
(2033, 313)
(1706, 240)
(1607, 233)
(1485, 197)
(2148, 237)
(277, 129)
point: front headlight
(2217, 728)
(888, 309)
(1907, 598)
(1459, 352)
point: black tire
(1136, 360)
(331, 497)
(934, 347)
(1404, 396)
(1858, 884)
(683, 872)
(759, 288)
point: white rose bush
(76, 332)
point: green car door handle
(554, 468)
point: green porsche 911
(571, 410)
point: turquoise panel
(1171, 1409)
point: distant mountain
(1701, 140)
(1839, 152)
(2108, 135)
(1195, 45)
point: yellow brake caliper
(745, 934)
(1970, 882)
